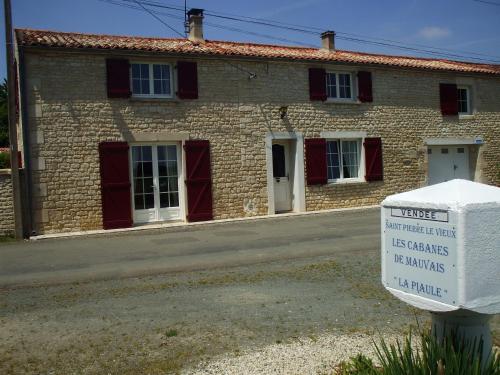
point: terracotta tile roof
(4, 149)
(42, 38)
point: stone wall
(6, 204)
(69, 114)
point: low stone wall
(6, 203)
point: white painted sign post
(441, 252)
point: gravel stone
(303, 356)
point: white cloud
(434, 32)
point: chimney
(195, 19)
(328, 40)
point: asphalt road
(54, 261)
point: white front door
(447, 163)
(281, 176)
(155, 182)
(461, 163)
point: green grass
(7, 239)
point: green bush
(451, 357)
(4, 160)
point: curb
(184, 225)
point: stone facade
(69, 114)
(6, 204)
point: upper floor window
(463, 96)
(339, 85)
(343, 158)
(151, 80)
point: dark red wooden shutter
(198, 181)
(115, 185)
(365, 87)
(187, 78)
(118, 78)
(317, 84)
(449, 99)
(373, 159)
(316, 161)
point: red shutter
(449, 99)
(199, 180)
(373, 159)
(187, 77)
(317, 84)
(365, 87)
(118, 78)
(316, 161)
(115, 185)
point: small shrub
(171, 333)
(452, 356)
(4, 160)
(359, 365)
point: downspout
(28, 225)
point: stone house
(119, 131)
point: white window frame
(353, 86)
(151, 80)
(469, 102)
(361, 167)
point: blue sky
(462, 25)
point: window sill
(154, 99)
(342, 101)
(465, 116)
(346, 182)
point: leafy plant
(453, 356)
(359, 365)
(4, 123)
(4, 160)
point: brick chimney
(195, 19)
(328, 40)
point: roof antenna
(186, 23)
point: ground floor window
(343, 159)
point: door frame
(180, 182)
(298, 186)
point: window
(343, 159)
(339, 86)
(463, 95)
(151, 80)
